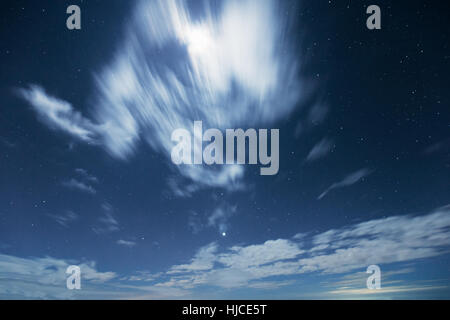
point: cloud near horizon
(273, 263)
(381, 241)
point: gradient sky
(86, 176)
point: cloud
(268, 265)
(351, 293)
(382, 241)
(358, 280)
(388, 240)
(257, 255)
(65, 219)
(349, 180)
(318, 112)
(59, 114)
(79, 185)
(300, 235)
(320, 150)
(443, 145)
(234, 66)
(195, 223)
(82, 182)
(126, 243)
(142, 276)
(219, 217)
(7, 143)
(44, 278)
(353, 286)
(316, 115)
(108, 222)
(86, 176)
(203, 260)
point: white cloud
(108, 223)
(126, 243)
(86, 176)
(318, 113)
(349, 180)
(381, 241)
(219, 217)
(43, 278)
(232, 67)
(79, 185)
(195, 223)
(320, 150)
(203, 260)
(59, 114)
(388, 240)
(65, 219)
(256, 255)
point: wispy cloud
(353, 286)
(59, 114)
(126, 243)
(44, 278)
(443, 145)
(203, 261)
(391, 289)
(320, 150)
(349, 180)
(82, 182)
(79, 185)
(220, 216)
(108, 222)
(65, 219)
(314, 117)
(7, 143)
(195, 222)
(232, 67)
(86, 176)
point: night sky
(86, 176)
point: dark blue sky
(364, 121)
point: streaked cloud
(126, 243)
(59, 114)
(65, 219)
(320, 150)
(86, 176)
(233, 67)
(79, 185)
(313, 117)
(349, 180)
(393, 285)
(107, 222)
(82, 182)
(195, 222)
